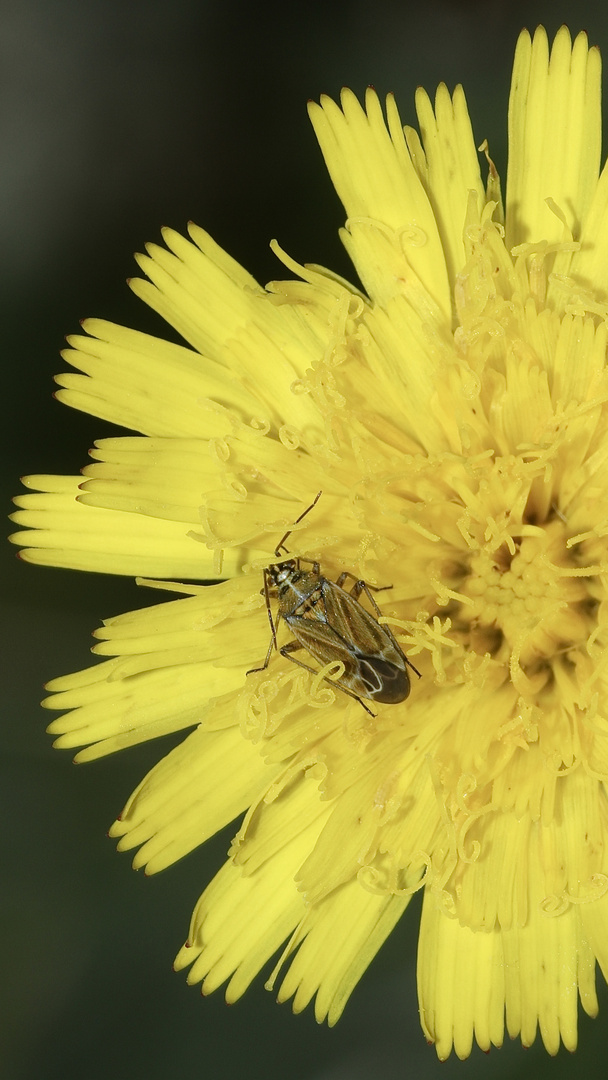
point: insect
(330, 624)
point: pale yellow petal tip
(139, 861)
(535, 49)
(350, 110)
(117, 828)
(185, 957)
(314, 110)
(463, 1045)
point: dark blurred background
(117, 118)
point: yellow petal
(192, 793)
(390, 220)
(336, 941)
(243, 917)
(221, 317)
(147, 384)
(448, 165)
(460, 984)
(63, 531)
(167, 673)
(467, 979)
(554, 136)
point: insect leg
(360, 586)
(273, 629)
(291, 647)
(266, 661)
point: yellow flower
(454, 415)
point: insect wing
(358, 627)
(384, 681)
(381, 666)
(322, 642)
(374, 665)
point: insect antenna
(281, 544)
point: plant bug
(330, 623)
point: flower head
(454, 415)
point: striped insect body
(330, 624)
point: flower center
(532, 600)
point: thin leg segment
(291, 646)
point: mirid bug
(330, 623)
